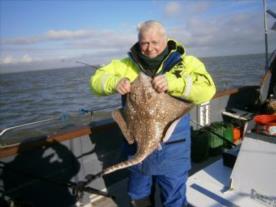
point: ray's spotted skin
(146, 118)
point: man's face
(152, 43)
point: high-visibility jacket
(187, 78)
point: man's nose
(150, 47)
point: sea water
(37, 95)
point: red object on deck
(265, 119)
(266, 124)
(236, 134)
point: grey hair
(151, 24)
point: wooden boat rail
(59, 137)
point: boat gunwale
(94, 127)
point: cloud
(222, 34)
(26, 59)
(54, 35)
(186, 9)
(204, 28)
(99, 45)
(77, 39)
(22, 40)
(55, 43)
(68, 34)
(9, 59)
(199, 7)
(116, 41)
(172, 8)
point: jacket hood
(176, 46)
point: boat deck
(119, 190)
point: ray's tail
(139, 157)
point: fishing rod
(78, 188)
(87, 64)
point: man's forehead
(149, 35)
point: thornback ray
(145, 119)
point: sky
(44, 34)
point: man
(174, 73)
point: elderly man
(174, 73)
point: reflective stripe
(204, 114)
(103, 80)
(188, 87)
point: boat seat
(244, 119)
(238, 114)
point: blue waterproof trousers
(168, 167)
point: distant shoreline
(14, 68)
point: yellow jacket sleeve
(105, 79)
(191, 81)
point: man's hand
(160, 83)
(123, 87)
